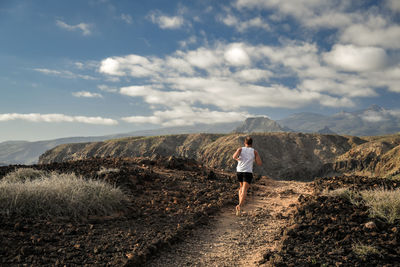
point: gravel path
(230, 240)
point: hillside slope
(24, 152)
(260, 124)
(380, 156)
(285, 155)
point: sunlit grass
(54, 194)
(382, 203)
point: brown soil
(168, 198)
(325, 230)
(182, 214)
(229, 240)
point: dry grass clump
(24, 174)
(104, 170)
(384, 204)
(343, 192)
(363, 251)
(55, 194)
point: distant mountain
(326, 130)
(23, 152)
(372, 121)
(260, 124)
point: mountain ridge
(284, 154)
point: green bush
(24, 174)
(59, 195)
(382, 203)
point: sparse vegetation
(384, 204)
(394, 177)
(104, 170)
(344, 192)
(363, 251)
(56, 194)
(23, 174)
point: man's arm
(257, 158)
(237, 154)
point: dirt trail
(229, 240)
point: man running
(245, 156)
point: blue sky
(96, 67)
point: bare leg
(243, 194)
(240, 196)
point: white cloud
(237, 76)
(127, 18)
(311, 13)
(87, 94)
(84, 27)
(377, 32)
(237, 56)
(373, 117)
(243, 25)
(345, 87)
(167, 22)
(186, 115)
(253, 75)
(354, 58)
(107, 88)
(53, 118)
(191, 40)
(203, 58)
(64, 74)
(132, 65)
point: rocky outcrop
(284, 155)
(378, 157)
(260, 124)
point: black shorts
(245, 176)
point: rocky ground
(168, 198)
(182, 214)
(325, 230)
(230, 240)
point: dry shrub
(382, 203)
(343, 192)
(59, 195)
(24, 174)
(104, 170)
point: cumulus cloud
(87, 94)
(52, 118)
(64, 74)
(376, 33)
(84, 27)
(243, 25)
(353, 58)
(167, 22)
(233, 77)
(187, 115)
(237, 56)
(315, 13)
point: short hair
(248, 140)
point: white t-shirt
(246, 160)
